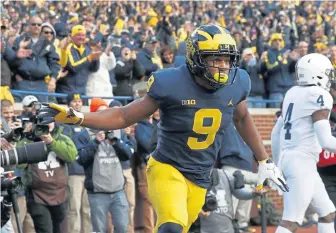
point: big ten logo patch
(49, 165)
(188, 102)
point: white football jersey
(298, 106)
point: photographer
(104, 179)
(7, 113)
(217, 214)
(46, 182)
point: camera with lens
(211, 203)
(109, 135)
(14, 136)
(38, 129)
(9, 185)
(29, 154)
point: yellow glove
(54, 112)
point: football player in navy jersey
(197, 101)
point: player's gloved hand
(54, 112)
(268, 170)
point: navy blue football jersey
(193, 120)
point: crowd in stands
(105, 49)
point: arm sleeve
(53, 62)
(124, 152)
(10, 54)
(110, 61)
(86, 155)
(64, 148)
(242, 194)
(275, 139)
(155, 89)
(323, 132)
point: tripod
(11, 200)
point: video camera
(110, 136)
(38, 129)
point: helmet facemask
(223, 76)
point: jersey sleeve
(155, 89)
(319, 99)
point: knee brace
(170, 227)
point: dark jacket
(127, 73)
(145, 59)
(257, 82)
(84, 145)
(143, 135)
(131, 142)
(44, 61)
(8, 56)
(77, 63)
(280, 76)
(117, 152)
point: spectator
(148, 56)
(128, 72)
(46, 182)
(104, 178)
(31, 72)
(9, 55)
(99, 82)
(7, 113)
(251, 64)
(49, 33)
(167, 57)
(79, 61)
(302, 48)
(276, 62)
(78, 205)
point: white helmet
(315, 69)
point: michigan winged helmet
(212, 40)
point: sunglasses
(36, 24)
(48, 32)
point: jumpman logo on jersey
(230, 102)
